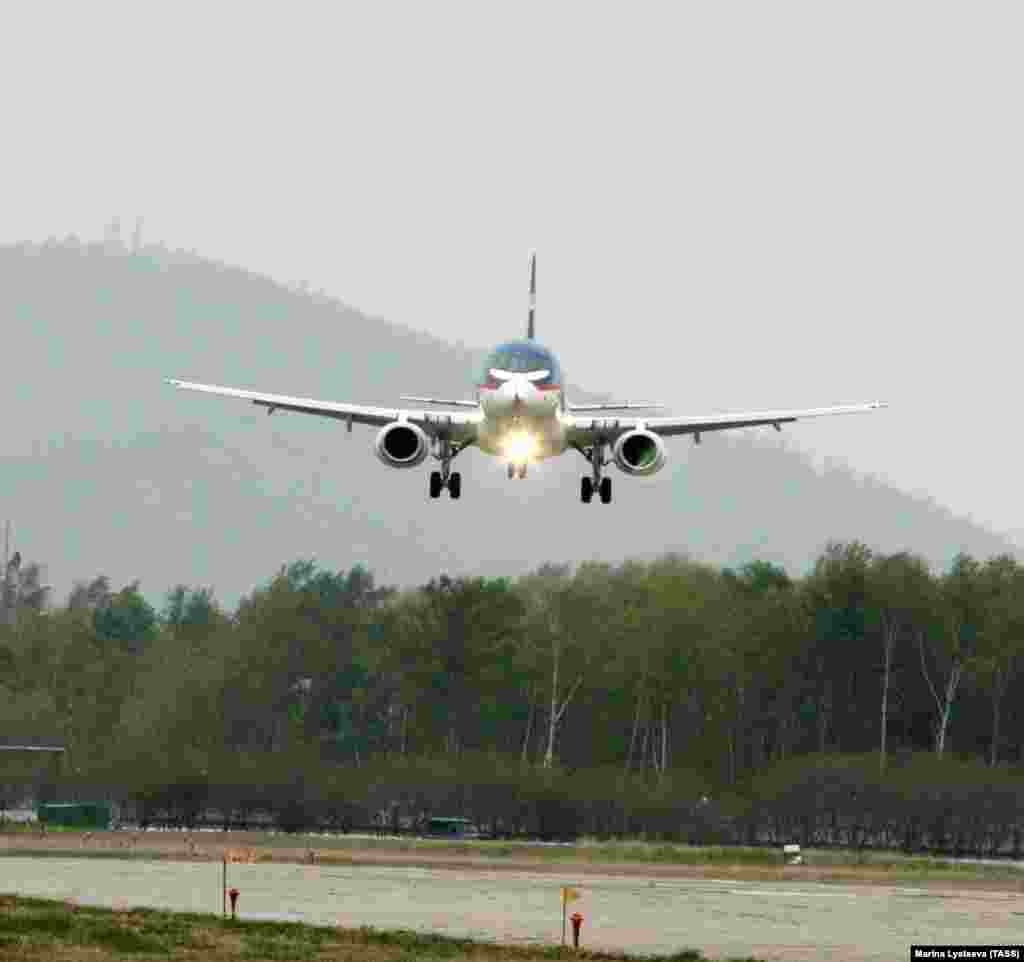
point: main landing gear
(604, 489)
(446, 478)
(603, 485)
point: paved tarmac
(784, 921)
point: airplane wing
(440, 400)
(611, 428)
(433, 422)
(615, 406)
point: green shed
(75, 814)
(452, 828)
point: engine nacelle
(402, 445)
(639, 453)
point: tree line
(870, 701)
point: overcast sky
(734, 205)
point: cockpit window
(522, 357)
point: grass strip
(42, 930)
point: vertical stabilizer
(533, 294)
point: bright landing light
(520, 447)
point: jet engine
(402, 445)
(639, 452)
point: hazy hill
(105, 469)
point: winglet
(533, 294)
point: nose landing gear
(516, 470)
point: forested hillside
(104, 468)
(874, 698)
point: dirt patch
(254, 847)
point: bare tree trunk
(557, 711)
(524, 757)
(945, 703)
(940, 740)
(552, 718)
(636, 725)
(947, 707)
(664, 737)
(889, 640)
(549, 756)
(405, 728)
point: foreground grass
(34, 930)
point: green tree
(126, 618)
(836, 593)
(192, 614)
(680, 621)
(1001, 644)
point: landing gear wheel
(435, 484)
(522, 470)
(606, 490)
(455, 485)
(511, 470)
(586, 489)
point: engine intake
(639, 453)
(402, 445)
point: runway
(783, 921)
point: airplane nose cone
(511, 394)
(513, 397)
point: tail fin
(533, 294)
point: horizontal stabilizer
(616, 406)
(440, 400)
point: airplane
(521, 414)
